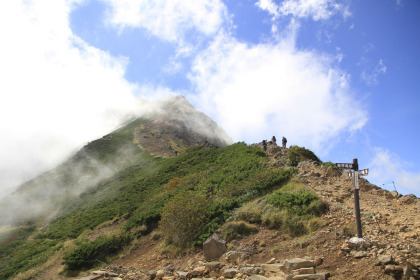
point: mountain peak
(177, 126)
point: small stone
(230, 273)
(159, 274)
(319, 276)
(249, 270)
(359, 254)
(271, 261)
(407, 272)
(214, 266)
(198, 271)
(257, 277)
(232, 257)
(393, 269)
(318, 261)
(385, 259)
(181, 274)
(304, 270)
(277, 267)
(214, 274)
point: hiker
(284, 141)
(264, 145)
(273, 139)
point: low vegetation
(297, 154)
(187, 198)
(291, 209)
(86, 253)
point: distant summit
(179, 125)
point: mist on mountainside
(166, 128)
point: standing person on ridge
(284, 141)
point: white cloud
(168, 19)
(56, 93)
(314, 9)
(269, 6)
(386, 166)
(260, 90)
(370, 76)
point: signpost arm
(356, 198)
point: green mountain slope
(120, 179)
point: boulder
(214, 247)
(358, 243)
(408, 199)
(395, 194)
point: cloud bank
(254, 91)
(386, 165)
(168, 20)
(56, 93)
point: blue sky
(339, 77)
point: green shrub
(273, 219)
(234, 229)
(250, 214)
(183, 217)
(297, 154)
(86, 253)
(268, 179)
(314, 224)
(329, 163)
(294, 226)
(299, 203)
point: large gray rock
(214, 247)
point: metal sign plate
(345, 165)
(364, 172)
